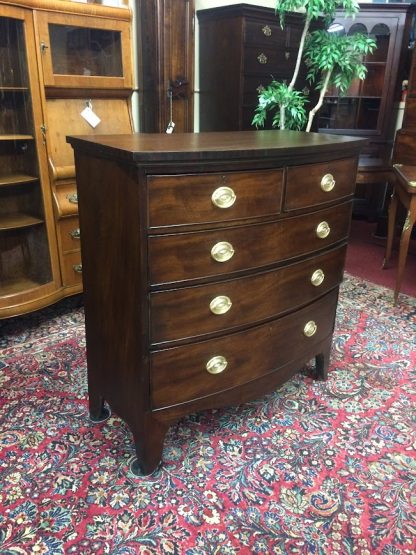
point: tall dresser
(241, 49)
(212, 263)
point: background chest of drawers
(241, 49)
(219, 257)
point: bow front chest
(211, 266)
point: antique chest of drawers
(211, 267)
(241, 49)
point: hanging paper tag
(90, 116)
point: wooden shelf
(17, 285)
(15, 179)
(18, 221)
(14, 89)
(16, 137)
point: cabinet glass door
(24, 250)
(78, 53)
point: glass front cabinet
(367, 107)
(56, 60)
(27, 246)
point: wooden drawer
(264, 33)
(187, 256)
(269, 60)
(186, 313)
(305, 186)
(188, 199)
(72, 263)
(179, 374)
(69, 234)
(66, 200)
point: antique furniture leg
(148, 438)
(390, 229)
(322, 359)
(404, 245)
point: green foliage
(340, 55)
(278, 96)
(315, 8)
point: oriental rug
(324, 468)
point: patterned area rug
(314, 468)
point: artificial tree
(332, 59)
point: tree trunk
(320, 101)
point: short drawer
(195, 311)
(265, 33)
(72, 269)
(316, 184)
(216, 197)
(66, 200)
(190, 256)
(182, 374)
(69, 233)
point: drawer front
(180, 374)
(187, 256)
(72, 269)
(195, 311)
(70, 234)
(208, 198)
(316, 184)
(66, 200)
(269, 60)
(263, 33)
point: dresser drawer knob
(287, 55)
(77, 268)
(73, 198)
(267, 31)
(75, 233)
(310, 328)
(222, 251)
(327, 182)
(223, 197)
(323, 230)
(220, 305)
(317, 277)
(262, 58)
(216, 365)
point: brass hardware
(310, 328)
(260, 88)
(43, 47)
(397, 165)
(317, 277)
(75, 233)
(73, 197)
(412, 183)
(216, 365)
(223, 197)
(43, 131)
(267, 31)
(220, 305)
(77, 268)
(306, 91)
(323, 230)
(406, 224)
(287, 55)
(262, 58)
(327, 182)
(222, 251)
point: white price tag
(90, 116)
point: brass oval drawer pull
(310, 328)
(77, 268)
(73, 197)
(223, 197)
(262, 58)
(267, 31)
(327, 182)
(75, 233)
(222, 251)
(216, 365)
(323, 230)
(317, 277)
(220, 305)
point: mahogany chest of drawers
(211, 267)
(241, 49)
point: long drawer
(190, 256)
(192, 312)
(182, 374)
(214, 197)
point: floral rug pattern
(313, 468)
